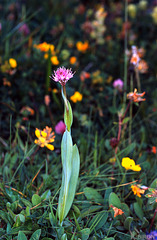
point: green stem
(48, 72)
(125, 56)
(138, 80)
(64, 95)
(130, 122)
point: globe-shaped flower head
(62, 75)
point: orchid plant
(69, 152)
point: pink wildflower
(118, 84)
(60, 127)
(24, 29)
(62, 75)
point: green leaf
(36, 235)
(64, 237)
(68, 116)
(154, 184)
(98, 221)
(4, 216)
(92, 194)
(125, 209)
(70, 172)
(110, 238)
(128, 222)
(36, 199)
(26, 202)
(21, 217)
(21, 236)
(91, 209)
(138, 211)
(114, 200)
(84, 233)
(128, 149)
(145, 223)
(125, 120)
(13, 160)
(46, 195)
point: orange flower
(45, 137)
(82, 47)
(47, 100)
(45, 47)
(136, 97)
(77, 97)
(142, 66)
(117, 211)
(6, 82)
(73, 60)
(54, 60)
(153, 150)
(135, 59)
(137, 191)
(84, 75)
(27, 109)
(12, 62)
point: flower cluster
(129, 164)
(135, 96)
(136, 60)
(96, 28)
(45, 137)
(47, 47)
(62, 75)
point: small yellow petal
(136, 168)
(42, 140)
(49, 146)
(44, 134)
(37, 132)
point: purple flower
(62, 75)
(24, 29)
(152, 235)
(118, 84)
(60, 127)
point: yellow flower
(129, 164)
(82, 47)
(73, 60)
(137, 191)
(12, 62)
(54, 60)
(46, 55)
(132, 10)
(76, 97)
(45, 137)
(154, 15)
(112, 160)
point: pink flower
(60, 127)
(62, 75)
(118, 84)
(24, 29)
